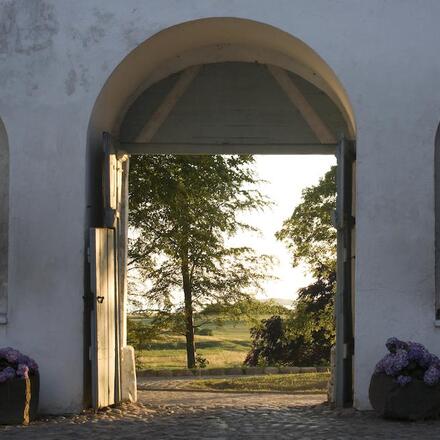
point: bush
(203, 331)
(274, 344)
(201, 362)
(268, 346)
(139, 333)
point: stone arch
(4, 222)
(193, 43)
(204, 41)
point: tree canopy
(309, 233)
(306, 335)
(183, 210)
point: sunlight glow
(286, 177)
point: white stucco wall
(55, 57)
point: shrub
(201, 362)
(203, 331)
(274, 342)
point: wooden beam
(188, 148)
(167, 105)
(322, 132)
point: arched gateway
(70, 71)
(211, 86)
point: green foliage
(183, 209)
(201, 362)
(309, 233)
(139, 333)
(306, 335)
(246, 310)
(203, 331)
(269, 345)
(313, 318)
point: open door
(108, 254)
(104, 344)
(345, 223)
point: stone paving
(205, 415)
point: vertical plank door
(103, 287)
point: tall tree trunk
(189, 320)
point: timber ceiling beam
(318, 126)
(165, 108)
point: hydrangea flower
(408, 360)
(403, 380)
(432, 375)
(10, 354)
(418, 353)
(15, 364)
(7, 374)
(23, 371)
(394, 344)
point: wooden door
(108, 250)
(104, 316)
(345, 223)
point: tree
(306, 335)
(309, 233)
(311, 238)
(183, 210)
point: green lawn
(301, 383)
(226, 348)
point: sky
(286, 177)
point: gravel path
(206, 415)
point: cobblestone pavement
(203, 416)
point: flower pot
(414, 401)
(19, 400)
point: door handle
(100, 299)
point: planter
(414, 401)
(19, 400)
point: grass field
(227, 347)
(302, 383)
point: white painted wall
(55, 57)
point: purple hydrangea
(403, 380)
(15, 364)
(7, 374)
(432, 375)
(393, 363)
(394, 344)
(23, 371)
(418, 353)
(10, 354)
(408, 360)
(29, 362)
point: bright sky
(286, 177)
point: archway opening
(146, 106)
